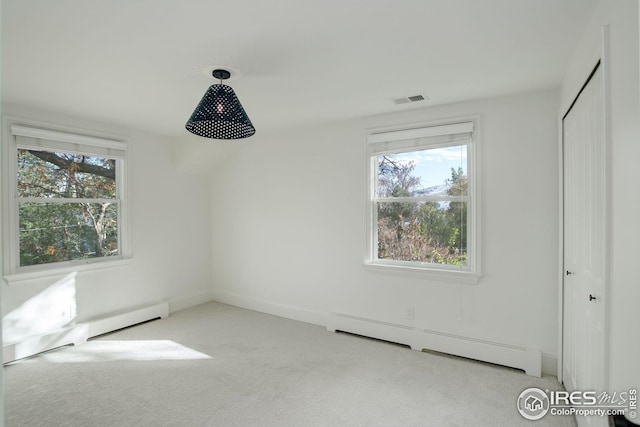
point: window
(422, 206)
(65, 199)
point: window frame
(426, 136)
(52, 138)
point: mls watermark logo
(533, 404)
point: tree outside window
(67, 206)
(423, 199)
(65, 201)
(418, 223)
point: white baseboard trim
(529, 360)
(80, 332)
(73, 334)
(184, 302)
(280, 310)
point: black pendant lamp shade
(219, 114)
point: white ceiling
(139, 63)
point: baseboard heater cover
(115, 321)
(529, 360)
(80, 332)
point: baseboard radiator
(80, 332)
(529, 360)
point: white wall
(170, 215)
(621, 17)
(289, 228)
(1, 239)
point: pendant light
(219, 114)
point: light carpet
(217, 365)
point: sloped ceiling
(142, 63)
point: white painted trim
(118, 320)
(81, 332)
(462, 277)
(472, 273)
(38, 272)
(11, 268)
(183, 302)
(74, 334)
(604, 49)
(527, 359)
(608, 194)
(281, 310)
(560, 272)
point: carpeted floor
(217, 365)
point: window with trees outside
(66, 199)
(423, 198)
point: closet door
(585, 253)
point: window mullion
(462, 199)
(63, 200)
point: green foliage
(431, 232)
(57, 223)
(457, 212)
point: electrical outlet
(409, 313)
(69, 313)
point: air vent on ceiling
(412, 98)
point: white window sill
(49, 271)
(435, 274)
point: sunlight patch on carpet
(107, 351)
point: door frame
(601, 61)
